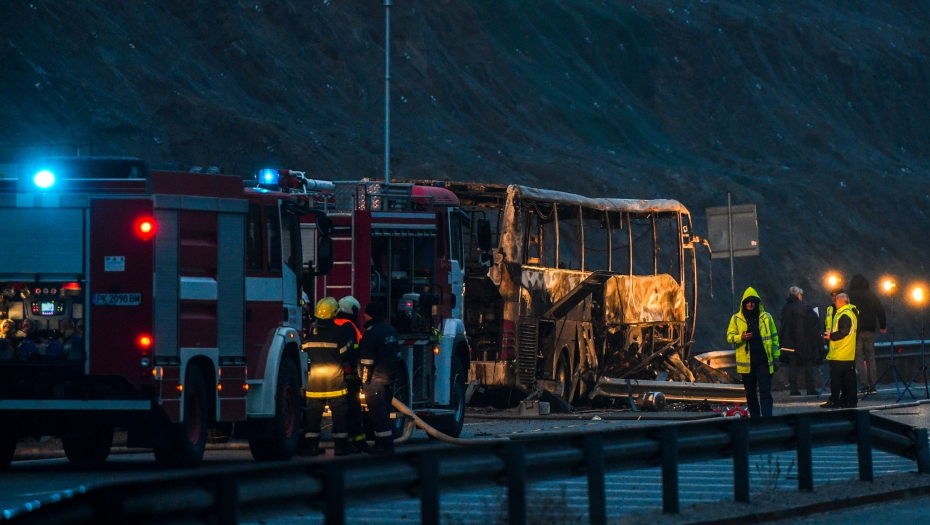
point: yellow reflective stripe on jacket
(845, 348)
(334, 393)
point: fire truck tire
(188, 439)
(452, 426)
(285, 431)
(88, 447)
(7, 450)
(402, 394)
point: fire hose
(415, 420)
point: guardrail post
(226, 503)
(923, 450)
(864, 444)
(594, 465)
(741, 460)
(516, 484)
(805, 445)
(429, 488)
(334, 495)
(668, 445)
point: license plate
(117, 299)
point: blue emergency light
(44, 179)
(267, 176)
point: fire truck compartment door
(41, 241)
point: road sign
(745, 231)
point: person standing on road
(869, 308)
(347, 318)
(326, 345)
(800, 340)
(842, 355)
(378, 354)
(752, 332)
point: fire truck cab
(160, 302)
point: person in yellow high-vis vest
(842, 354)
(752, 331)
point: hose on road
(432, 432)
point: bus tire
(452, 426)
(563, 374)
(285, 425)
(188, 439)
(88, 447)
(7, 449)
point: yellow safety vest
(845, 348)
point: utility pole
(387, 91)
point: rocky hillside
(817, 111)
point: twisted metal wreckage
(575, 295)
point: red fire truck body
(188, 288)
(401, 244)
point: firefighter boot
(384, 446)
(359, 445)
(310, 446)
(341, 447)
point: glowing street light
(918, 294)
(833, 280)
(889, 285)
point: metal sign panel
(745, 231)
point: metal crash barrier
(222, 495)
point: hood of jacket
(858, 282)
(751, 292)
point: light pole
(889, 286)
(919, 296)
(387, 91)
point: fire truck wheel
(452, 426)
(187, 440)
(7, 449)
(285, 431)
(88, 447)
(401, 393)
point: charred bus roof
(486, 195)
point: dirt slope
(817, 111)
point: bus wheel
(7, 449)
(402, 394)
(563, 374)
(285, 425)
(88, 447)
(452, 426)
(187, 440)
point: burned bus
(563, 290)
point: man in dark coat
(870, 309)
(800, 340)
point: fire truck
(164, 303)
(401, 244)
(168, 303)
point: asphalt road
(628, 493)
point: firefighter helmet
(349, 305)
(326, 308)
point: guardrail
(220, 495)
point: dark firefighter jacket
(378, 351)
(350, 358)
(326, 346)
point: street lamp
(889, 286)
(918, 296)
(833, 280)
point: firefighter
(349, 308)
(378, 354)
(326, 345)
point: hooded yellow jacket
(738, 325)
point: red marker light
(145, 341)
(146, 228)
